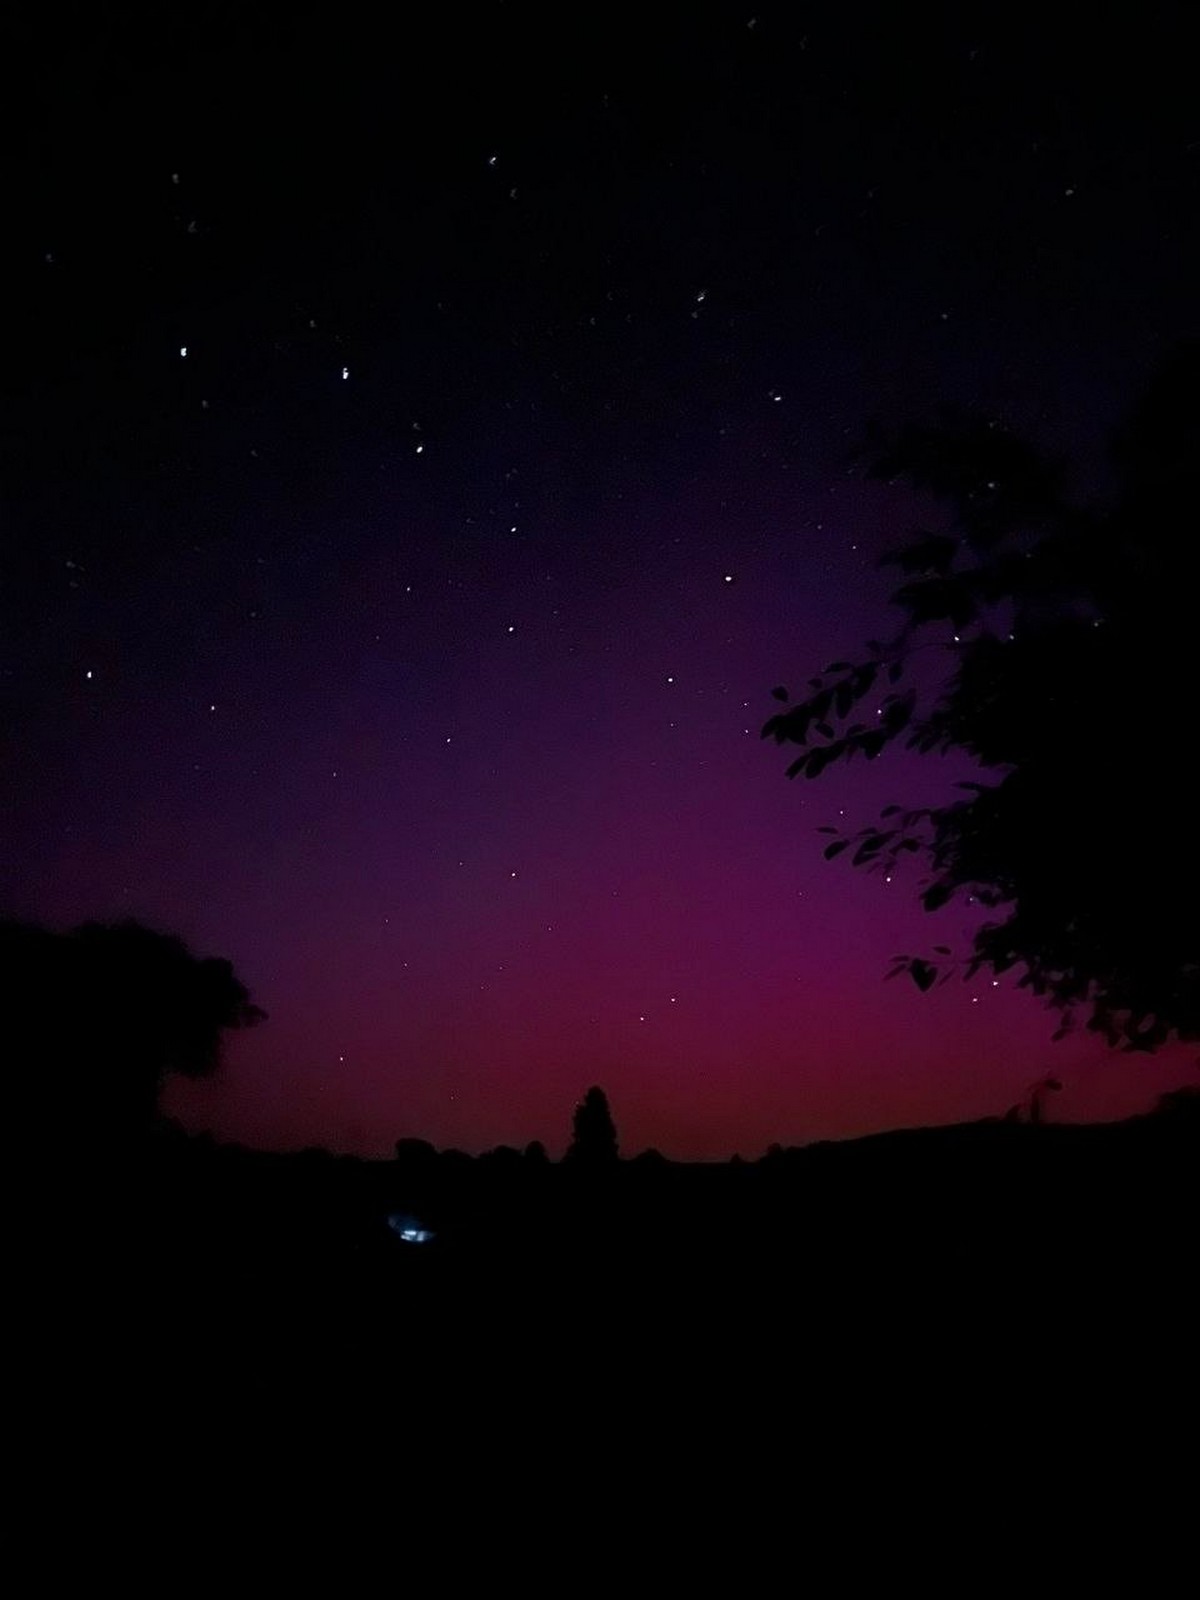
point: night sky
(426, 447)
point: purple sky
(430, 695)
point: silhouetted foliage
(103, 1015)
(1074, 689)
(535, 1153)
(594, 1135)
(415, 1153)
(505, 1157)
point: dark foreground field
(987, 1234)
(998, 1305)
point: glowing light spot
(183, 352)
(345, 373)
(410, 1230)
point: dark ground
(1004, 1310)
(988, 1233)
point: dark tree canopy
(97, 1019)
(1072, 636)
(594, 1137)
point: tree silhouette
(1070, 633)
(103, 1015)
(418, 1154)
(594, 1137)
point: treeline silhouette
(146, 1256)
(115, 1009)
(1026, 1213)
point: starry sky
(427, 444)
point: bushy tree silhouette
(1071, 633)
(101, 1016)
(594, 1134)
